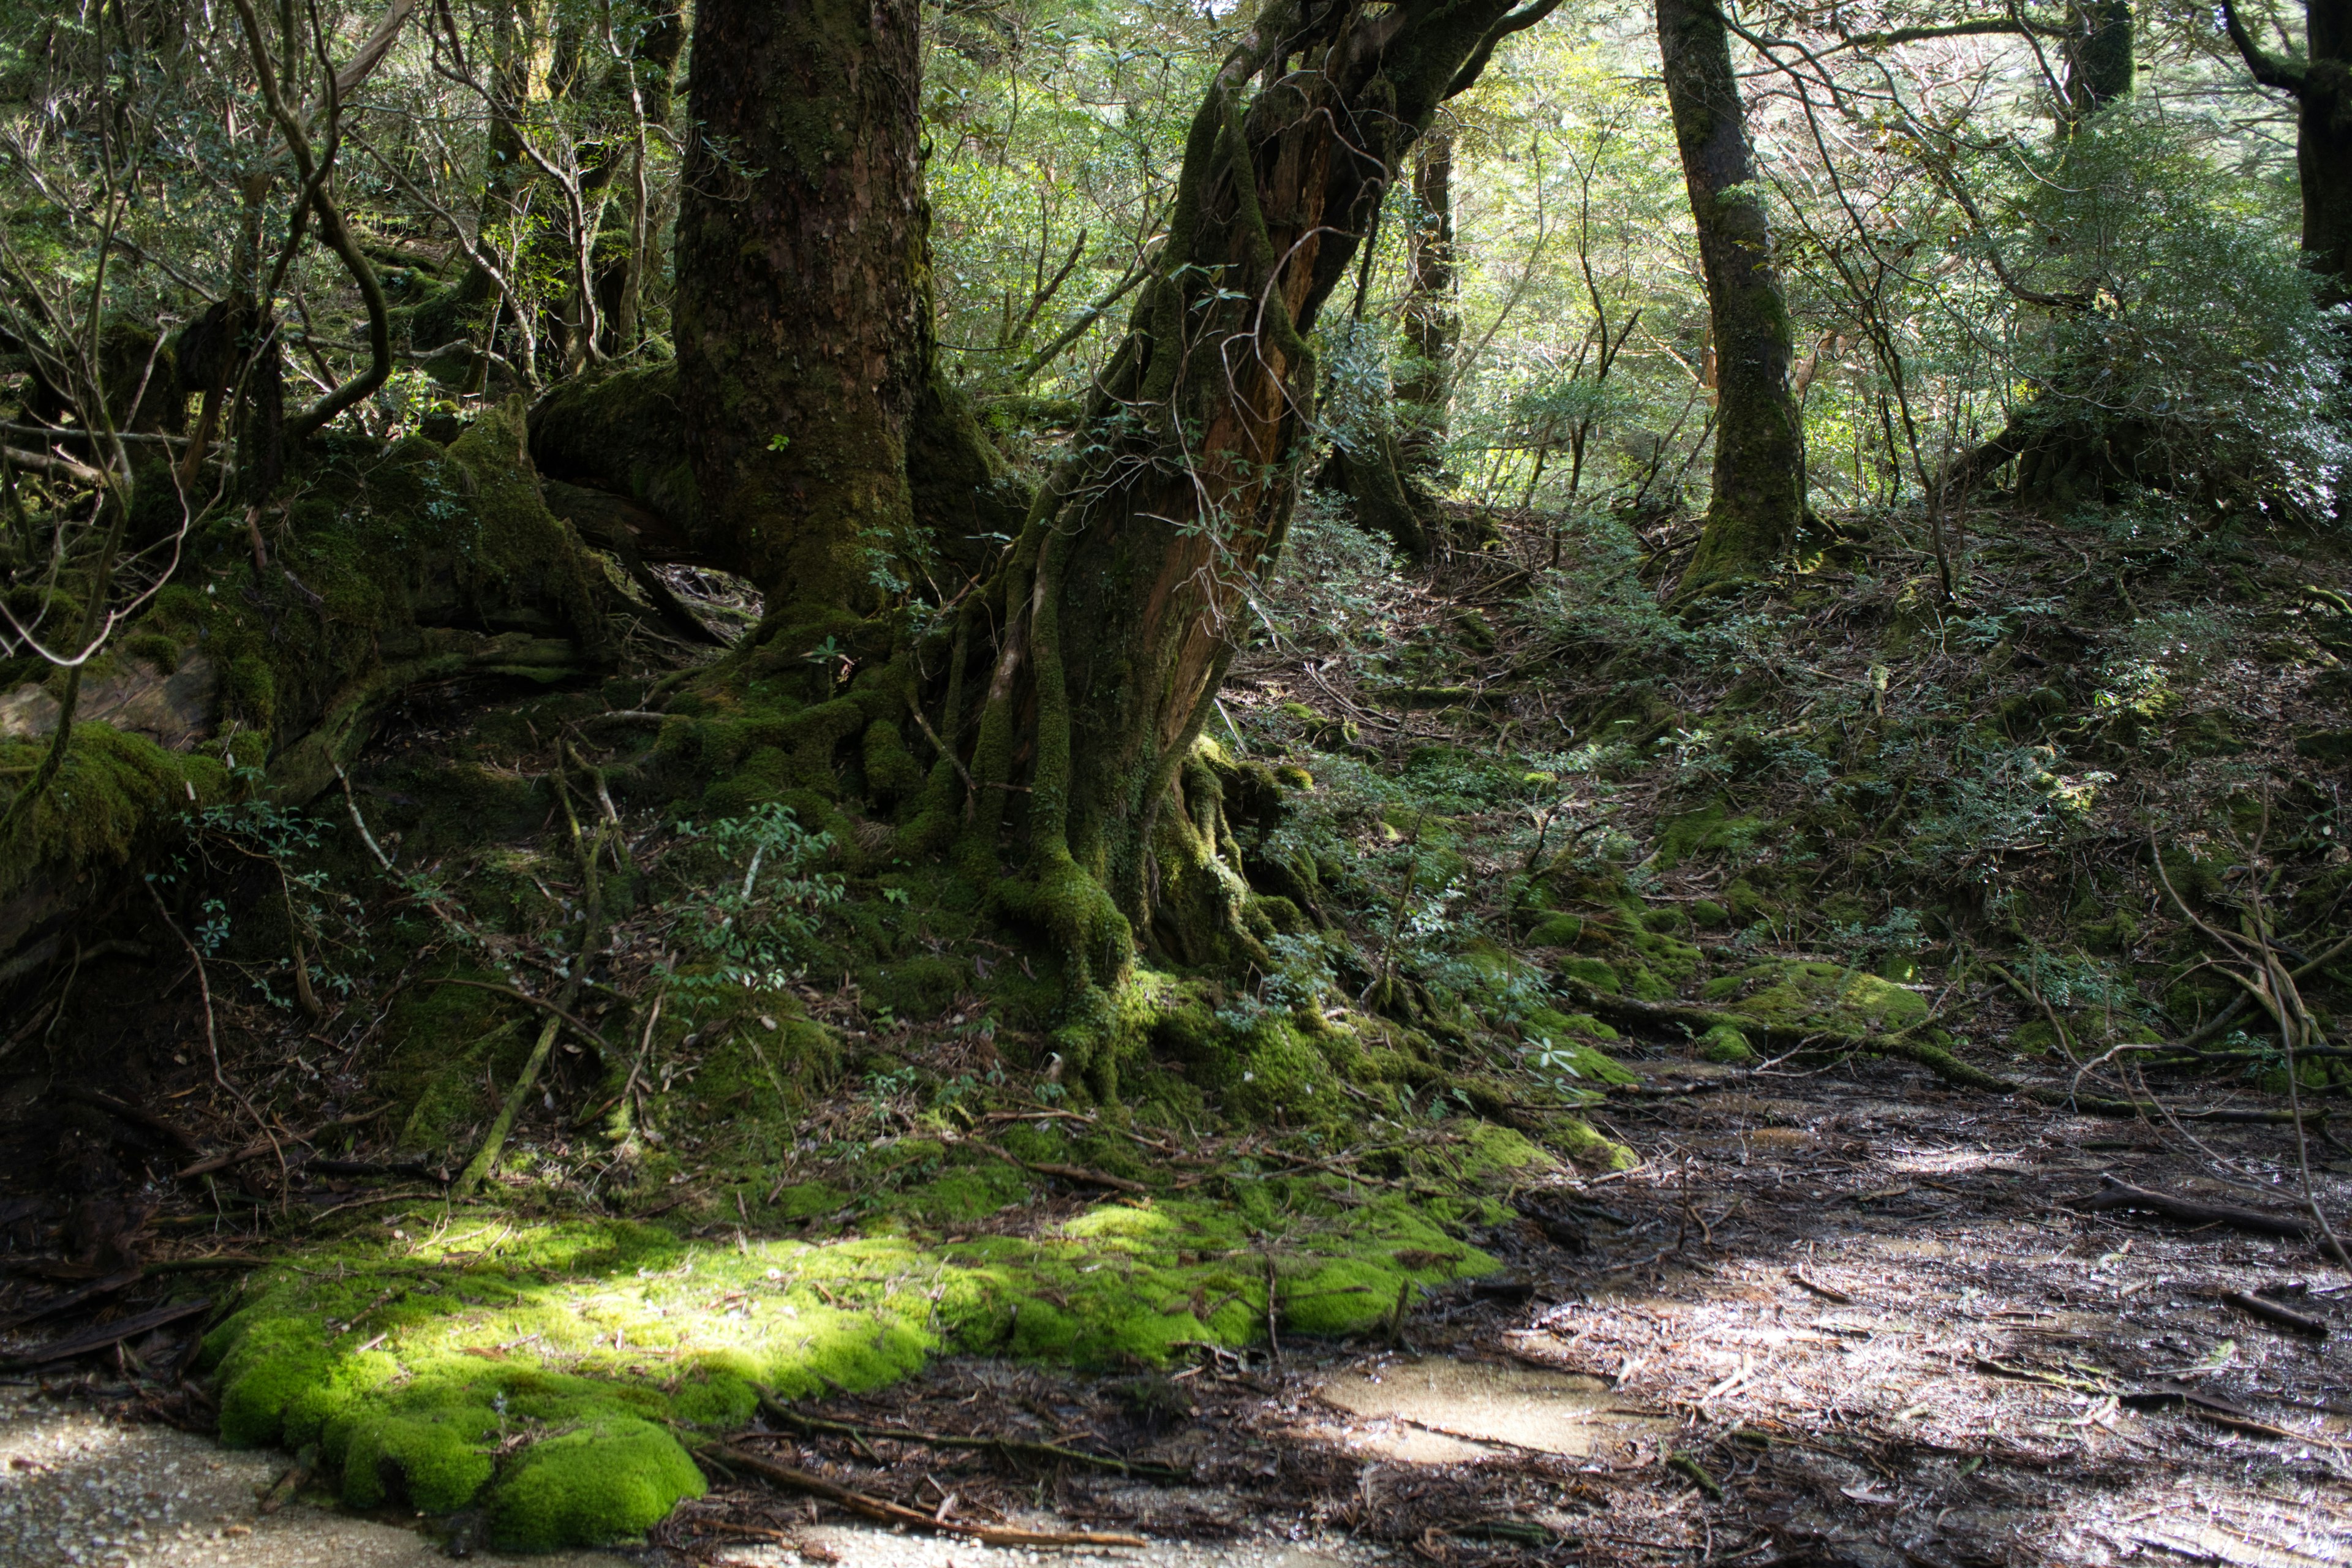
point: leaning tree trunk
(1384, 480)
(1125, 597)
(1759, 446)
(801, 294)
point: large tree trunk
(2322, 86)
(1124, 597)
(2099, 65)
(801, 288)
(1759, 446)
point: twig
(2121, 1194)
(899, 1513)
(212, 1035)
(1012, 1447)
(1817, 1288)
(541, 1003)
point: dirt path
(1845, 1318)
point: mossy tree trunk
(1384, 477)
(2069, 450)
(1125, 597)
(1759, 446)
(2099, 66)
(807, 372)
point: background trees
(1667, 278)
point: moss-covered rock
(1726, 1044)
(1830, 996)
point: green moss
(1581, 1142)
(1828, 996)
(1725, 1043)
(1589, 972)
(611, 1479)
(113, 793)
(1558, 931)
(433, 1461)
(412, 1363)
(1710, 830)
(1556, 1035)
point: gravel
(79, 1489)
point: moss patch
(544, 1370)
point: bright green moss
(616, 1478)
(1592, 971)
(433, 1461)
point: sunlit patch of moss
(504, 1362)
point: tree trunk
(1126, 595)
(2322, 86)
(2099, 65)
(1431, 322)
(800, 287)
(1760, 448)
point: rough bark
(1124, 597)
(1377, 487)
(2322, 87)
(800, 289)
(1760, 451)
(2099, 65)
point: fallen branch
(2121, 1194)
(1798, 1277)
(2271, 1312)
(1934, 1057)
(540, 1002)
(1067, 1172)
(1010, 1447)
(899, 1513)
(122, 1111)
(98, 1339)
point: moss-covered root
(1905, 1044)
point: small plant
(755, 934)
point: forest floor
(1804, 1301)
(1842, 1317)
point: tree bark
(1124, 597)
(2099, 65)
(801, 286)
(1432, 321)
(2322, 87)
(1760, 448)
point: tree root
(1010, 1447)
(891, 1513)
(1901, 1044)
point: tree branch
(2271, 72)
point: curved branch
(2288, 76)
(1518, 21)
(339, 239)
